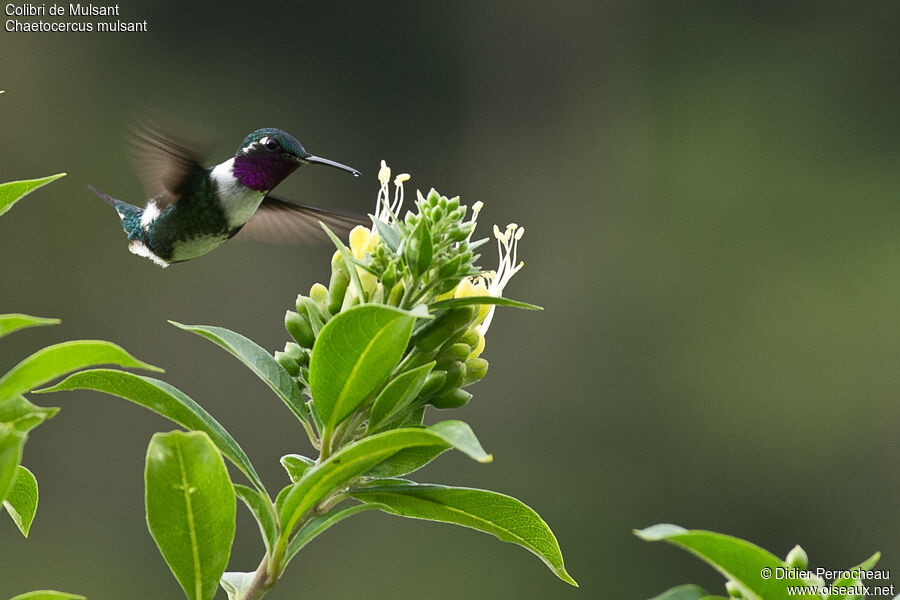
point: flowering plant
(400, 328)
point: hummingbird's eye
(271, 144)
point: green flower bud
(337, 288)
(297, 353)
(452, 399)
(453, 204)
(797, 558)
(450, 267)
(299, 328)
(438, 213)
(290, 364)
(433, 383)
(476, 368)
(734, 590)
(319, 294)
(389, 276)
(410, 219)
(442, 202)
(457, 351)
(396, 294)
(452, 322)
(470, 337)
(433, 197)
(293, 350)
(455, 374)
(458, 234)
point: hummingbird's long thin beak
(324, 161)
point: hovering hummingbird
(194, 209)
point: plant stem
(260, 584)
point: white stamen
(384, 206)
(508, 248)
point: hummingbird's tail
(129, 214)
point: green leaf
(15, 321)
(12, 192)
(397, 395)
(165, 400)
(314, 527)
(353, 356)
(406, 461)
(502, 516)
(22, 499)
(847, 582)
(48, 595)
(296, 465)
(683, 592)
(736, 559)
(22, 415)
(235, 584)
(257, 360)
(190, 509)
(263, 511)
(57, 360)
(419, 249)
(11, 443)
(479, 300)
(388, 234)
(356, 458)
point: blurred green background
(710, 192)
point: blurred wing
(165, 164)
(284, 222)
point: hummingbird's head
(267, 156)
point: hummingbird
(194, 209)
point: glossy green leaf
(48, 595)
(849, 582)
(22, 499)
(341, 468)
(314, 527)
(736, 559)
(406, 461)
(502, 516)
(165, 400)
(263, 511)
(353, 356)
(57, 360)
(15, 321)
(235, 584)
(296, 465)
(397, 395)
(22, 415)
(11, 443)
(190, 509)
(683, 592)
(257, 360)
(12, 192)
(479, 300)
